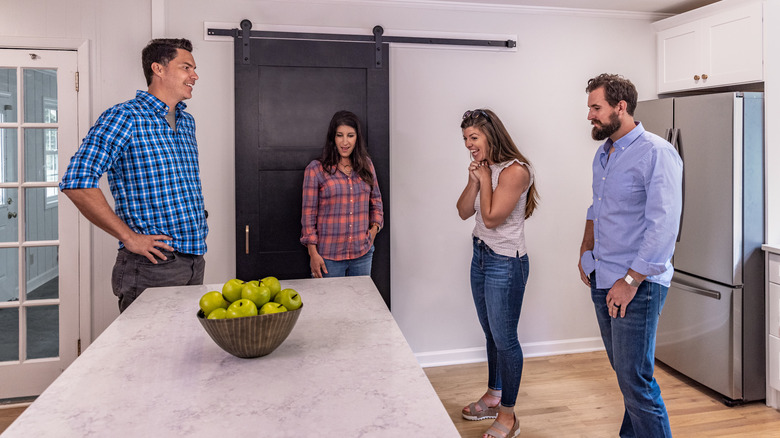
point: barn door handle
(246, 239)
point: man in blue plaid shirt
(147, 148)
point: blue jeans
(498, 286)
(350, 268)
(630, 344)
(134, 273)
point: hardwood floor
(576, 395)
(8, 415)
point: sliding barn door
(285, 97)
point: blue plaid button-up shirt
(152, 170)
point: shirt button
(603, 178)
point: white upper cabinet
(711, 47)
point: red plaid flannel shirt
(338, 211)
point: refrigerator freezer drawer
(699, 334)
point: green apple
(218, 313)
(232, 289)
(241, 308)
(272, 284)
(272, 308)
(256, 292)
(212, 300)
(289, 298)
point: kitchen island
(344, 371)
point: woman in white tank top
(501, 194)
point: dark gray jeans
(134, 273)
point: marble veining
(344, 371)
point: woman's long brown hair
(360, 160)
(501, 147)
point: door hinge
(77, 82)
(78, 348)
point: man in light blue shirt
(626, 252)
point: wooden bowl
(251, 336)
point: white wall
(538, 91)
(771, 115)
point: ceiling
(647, 6)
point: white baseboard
(531, 349)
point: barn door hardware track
(246, 33)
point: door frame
(378, 136)
(83, 117)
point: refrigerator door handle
(677, 143)
(668, 135)
(700, 291)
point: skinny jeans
(498, 286)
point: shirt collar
(156, 104)
(626, 140)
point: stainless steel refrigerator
(712, 326)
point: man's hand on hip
(147, 245)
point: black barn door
(285, 98)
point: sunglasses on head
(475, 114)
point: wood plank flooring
(8, 415)
(577, 395)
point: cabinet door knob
(704, 76)
(696, 77)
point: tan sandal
(483, 413)
(498, 430)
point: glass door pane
(40, 95)
(9, 334)
(8, 93)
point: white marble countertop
(344, 371)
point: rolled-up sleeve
(376, 212)
(662, 212)
(105, 142)
(311, 187)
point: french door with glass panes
(39, 294)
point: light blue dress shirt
(637, 200)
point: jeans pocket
(169, 258)
(118, 273)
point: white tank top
(507, 239)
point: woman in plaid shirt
(342, 206)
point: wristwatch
(631, 282)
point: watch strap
(631, 281)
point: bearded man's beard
(602, 132)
